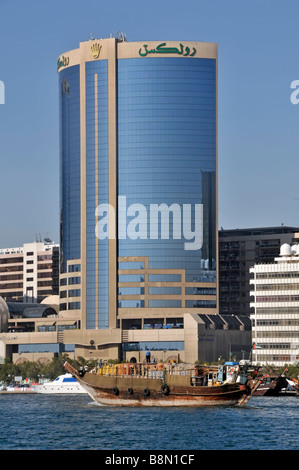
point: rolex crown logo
(95, 50)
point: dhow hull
(116, 391)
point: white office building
(275, 322)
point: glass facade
(165, 180)
(167, 155)
(69, 115)
(155, 346)
(96, 191)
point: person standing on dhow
(148, 356)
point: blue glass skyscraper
(138, 154)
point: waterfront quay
(9, 389)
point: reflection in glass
(167, 154)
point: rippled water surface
(47, 422)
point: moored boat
(272, 385)
(168, 384)
(291, 388)
(65, 383)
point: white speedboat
(63, 384)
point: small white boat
(63, 384)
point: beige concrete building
(38, 332)
(29, 273)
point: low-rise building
(39, 332)
(32, 331)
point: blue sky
(258, 125)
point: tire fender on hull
(165, 389)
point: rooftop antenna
(48, 239)
(120, 36)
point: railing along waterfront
(138, 370)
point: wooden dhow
(135, 384)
